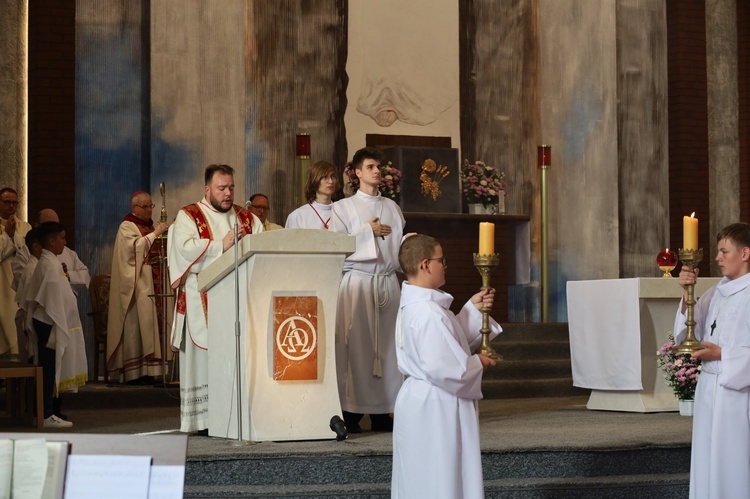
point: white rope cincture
(377, 368)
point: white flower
(678, 362)
(389, 176)
(483, 183)
(493, 192)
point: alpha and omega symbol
(296, 338)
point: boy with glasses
(436, 449)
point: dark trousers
(47, 361)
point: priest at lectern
(201, 233)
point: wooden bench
(18, 389)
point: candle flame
(692, 215)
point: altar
(616, 327)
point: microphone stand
(237, 331)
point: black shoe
(201, 433)
(351, 420)
(142, 381)
(381, 422)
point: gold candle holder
(485, 264)
(691, 258)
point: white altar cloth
(616, 327)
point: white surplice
(188, 254)
(369, 293)
(436, 450)
(134, 346)
(77, 271)
(310, 216)
(720, 461)
(49, 298)
(9, 246)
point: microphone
(337, 426)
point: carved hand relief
(386, 117)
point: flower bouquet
(680, 370)
(482, 183)
(390, 180)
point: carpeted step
(658, 486)
(536, 363)
(534, 331)
(532, 350)
(644, 473)
(523, 369)
(528, 388)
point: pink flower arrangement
(390, 180)
(482, 183)
(680, 371)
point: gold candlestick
(485, 264)
(691, 258)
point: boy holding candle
(436, 449)
(720, 462)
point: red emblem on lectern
(295, 321)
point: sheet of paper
(167, 482)
(6, 467)
(57, 453)
(29, 467)
(113, 477)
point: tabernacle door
(288, 289)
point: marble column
(642, 132)
(13, 54)
(723, 116)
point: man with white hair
(134, 339)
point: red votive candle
(544, 155)
(303, 145)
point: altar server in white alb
(368, 377)
(27, 341)
(322, 180)
(436, 451)
(52, 306)
(720, 462)
(201, 233)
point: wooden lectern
(288, 292)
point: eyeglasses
(146, 206)
(8, 202)
(442, 259)
(258, 207)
